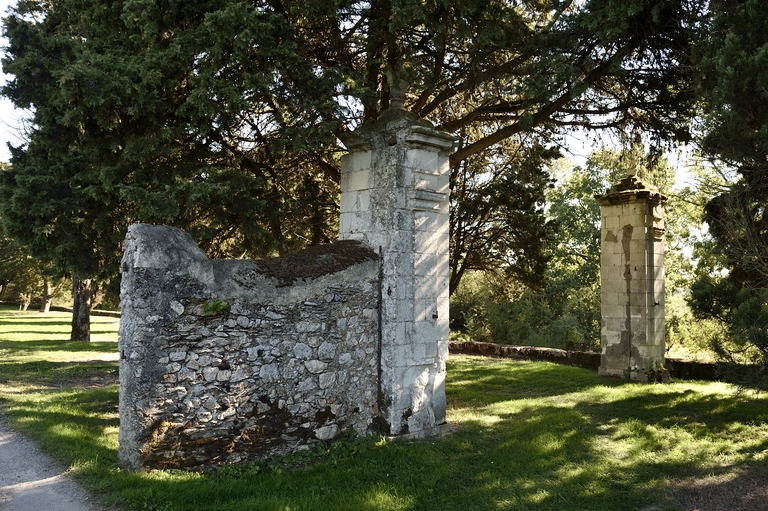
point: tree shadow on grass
(746, 489)
(483, 381)
(537, 460)
(562, 450)
(57, 375)
(73, 426)
(59, 345)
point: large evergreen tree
(735, 86)
(222, 117)
(734, 62)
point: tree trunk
(81, 310)
(97, 296)
(24, 301)
(45, 301)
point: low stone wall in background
(573, 358)
(682, 369)
(230, 361)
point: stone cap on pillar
(395, 125)
(630, 188)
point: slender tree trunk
(81, 310)
(24, 301)
(45, 302)
(97, 296)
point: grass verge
(528, 436)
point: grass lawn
(528, 436)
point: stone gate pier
(632, 281)
(394, 199)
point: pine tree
(734, 85)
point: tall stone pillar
(394, 198)
(632, 281)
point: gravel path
(29, 481)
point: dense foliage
(222, 117)
(734, 61)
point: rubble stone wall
(230, 361)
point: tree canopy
(222, 117)
(734, 88)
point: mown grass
(528, 436)
(36, 353)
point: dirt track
(31, 482)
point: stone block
(327, 432)
(327, 380)
(426, 289)
(424, 352)
(633, 211)
(423, 160)
(424, 181)
(611, 222)
(429, 221)
(356, 224)
(621, 299)
(394, 333)
(609, 238)
(269, 373)
(614, 286)
(614, 324)
(614, 311)
(405, 310)
(639, 284)
(423, 333)
(605, 370)
(356, 161)
(610, 267)
(637, 247)
(355, 180)
(639, 302)
(359, 201)
(432, 242)
(657, 272)
(303, 351)
(428, 264)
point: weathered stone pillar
(632, 281)
(394, 198)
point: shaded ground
(741, 490)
